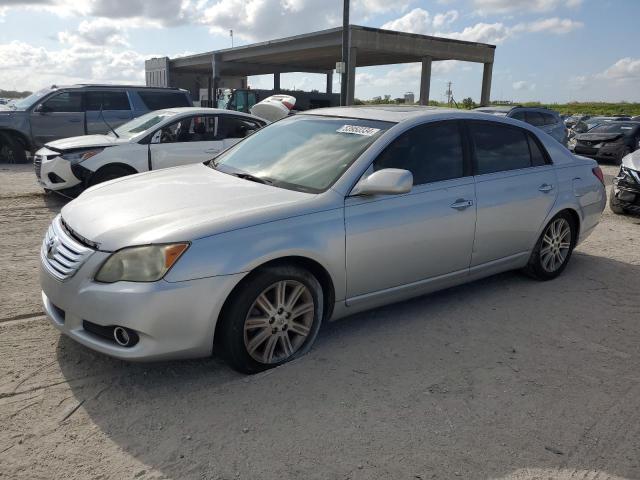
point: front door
(59, 116)
(516, 188)
(190, 140)
(396, 240)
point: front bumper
(53, 172)
(172, 319)
(626, 189)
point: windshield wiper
(252, 178)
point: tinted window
(519, 115)
(548, 119)
(430, 152)
(64, 102)
(106, 100)
(157, 100)
(236, 127)
(537, 157)
(498, 147)
(535, 118)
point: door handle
(461, 204)
(545, 188)
(74, 120)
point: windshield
(27, 102)
(614, 127)
(144, 123)
(305, 152)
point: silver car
(315, 217)
(549, 121)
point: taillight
(597, 171)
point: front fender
(317, 236)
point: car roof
(496, 108)
(385, 113)
(106, 85)
(207, 111)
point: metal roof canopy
(318, 52)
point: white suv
(160, 139)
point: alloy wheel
(278, 322)
(556, 245)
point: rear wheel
(554, 248)
(110, 172)
(11, 149)
(273, 318)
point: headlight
(147, 263)
(81, 156)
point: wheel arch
(21, 137)
(309, 264)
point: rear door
(59, 116)
(116, 109)
(395, 240)
(189, 140)
(515, 187)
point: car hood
(598, 137)
(85, 141)
(177, 204)
(632, 161)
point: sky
(547, 50)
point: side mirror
(42, 108)
(389, 181)
(156, 137)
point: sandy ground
(506, 378)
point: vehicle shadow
(488, 380)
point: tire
(110, 172)
(251, 339)
(540, 266)
(614, 204)
(11, 150)
(623, 153)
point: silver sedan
(315, 217)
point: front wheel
(614, 204)
(273, 318)
(11, 150)
(110, 172)
(554, 248)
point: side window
(535, 119)
(64, 102)
(107, 100)
(431, 152)
(549, 119)
(157, 100)
(519, 115)
(191, 129)
(499, 147)
(236, 127)
(537, 157)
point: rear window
(157, 100)
(106, 100)
(499, 148)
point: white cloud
(78, 63)
(625, 69)
(487, 7)
(554, 25)
(523, 85)
(97, 32)
(419, 20)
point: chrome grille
(61, 254)
(37, 165)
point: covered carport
(317, 52)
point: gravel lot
(505, 378)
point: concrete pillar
(330, 82)
(215, 79)
(425, 80)
(351, 75)
(485, 97)
(276, 82)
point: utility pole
(345, 53)
(231, 35)
(449, 94)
